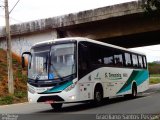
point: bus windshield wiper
(60, 77)
(38, 76)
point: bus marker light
(73, 97)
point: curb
(158, 84)
(12, 104)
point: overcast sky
(28, 10)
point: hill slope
(20, 79)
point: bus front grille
(50, 98)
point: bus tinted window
(144, 62)
(127, 59)
(83, 59)
(108, 60)
(140, 61)
(108, 56)
(96, 55)
(103, 56)
(135, 60)
(118, 59)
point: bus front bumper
(61, 97)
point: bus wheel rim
(134, 92)
(98, 96)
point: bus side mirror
(23, 62)
(23, 59)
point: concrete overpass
(124, 24)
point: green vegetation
(20, 94)
(6, 100)
(20, 78)
(154, 68)
(151, 5)
(155, 80)
(155, 75)
(16, 98)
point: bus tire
(98, 95)
(134, 91)
(56, 106)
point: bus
(76, 69)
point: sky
(28, 10)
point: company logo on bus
(113, 76)
(97, 77)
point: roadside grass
(155, 75)
(6, 100)
(153, 80)
(18, 97)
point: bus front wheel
(56, 106)
(98, 95)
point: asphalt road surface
(145, 104)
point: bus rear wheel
(133, 94)
(134, 91)
(57, 106)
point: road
(146, 103)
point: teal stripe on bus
(58, 88)
(138, 75)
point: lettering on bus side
(115, 76)
(125, 75)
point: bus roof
(78, 39)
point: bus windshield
(62, 61)
(38, 67)
(52, 62)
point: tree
(151, 5)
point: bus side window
(135, 60)
(83, 61)
(118, 59)
(128, 61)
(140, 61)
(108, 56)
(95, 52)
(108, 60)
(144, 62)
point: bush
(6, 100)
(154, 68)
(20, 94)
(154, 80)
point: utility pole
(9, 52)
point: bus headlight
(70, 87)
(31, 90)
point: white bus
(78, 69)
